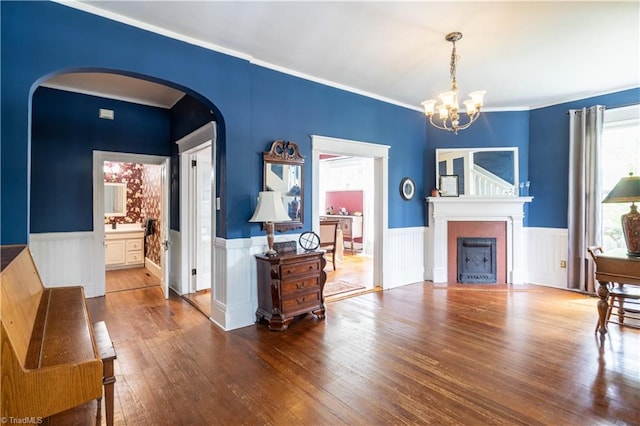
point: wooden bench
(50, 357)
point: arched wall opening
(60, 208)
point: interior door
(164, 229)
(203, 235)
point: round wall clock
(309, 241)
(407, 188)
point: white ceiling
(525, 54)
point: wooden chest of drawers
(288, 286)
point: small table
(614, 266)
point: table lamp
(270, 209)
(628, 191)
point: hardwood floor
(129, 279)
(418, 354)
(355, 268)
(201, 300)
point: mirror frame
(285, 153)
(516, 160)
(123, 198)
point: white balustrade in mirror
(482, 172)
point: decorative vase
(631, 231)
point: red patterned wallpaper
(152, 208)
(144, 198)
(131, 174)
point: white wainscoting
(66, 258)
(235, 283)
(404, 251)
(546, 247)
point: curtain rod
(577, 111)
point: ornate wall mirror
(482, 172)
(284, 172)
(115, 199)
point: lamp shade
(627, 190)
(294, 191)
(270, 208)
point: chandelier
(448, 117)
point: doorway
(134, 240)
(378, 228)
(198, 204)
(133, 211)
(346, 195)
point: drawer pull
(299, 286)
(300, 302)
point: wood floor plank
(418, 354)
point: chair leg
(333, 260)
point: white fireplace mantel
(469, 209)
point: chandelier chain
(452, 65)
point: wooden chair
(618, 295)
(328, 238)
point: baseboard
(153, 268)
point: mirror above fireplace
(482, 172)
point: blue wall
(253, 104)
(492, 129)
(549, 156)
(66, 129)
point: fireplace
(447, 213)
(476, 260)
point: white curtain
(584, 214)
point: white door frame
(380, 155)
(99, 157)
(193, 142)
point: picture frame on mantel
(449, 186)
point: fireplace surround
(443, 210)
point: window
(620, 156)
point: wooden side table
(614, 266)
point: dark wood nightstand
(288, 286)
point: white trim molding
(380, 155)
(500, 209)
(99, 157)
(197, 140)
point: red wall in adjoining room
(352, 200)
